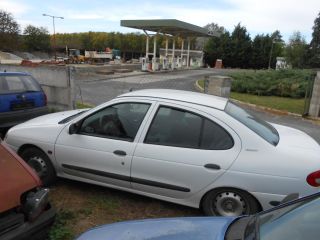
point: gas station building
(171, 29)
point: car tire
(229, 202)
(41, 163)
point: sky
(258, 16)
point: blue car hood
(195, 228)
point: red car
(25, 212)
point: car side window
(15, 83)
(180, 128)
(119, 121)
(214, 137)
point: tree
(314, 47)
(240, 47)
(36, 38)
(212, 28)
(296, 50)
(9, 32)
(261, 48)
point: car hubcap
(230, 204)
(39, 165)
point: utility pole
(54, 33)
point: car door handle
(212, 166)
(120, 153)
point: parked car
(25, 212)
(295, 220)
(188, 148)
(21, 99)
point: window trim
(201, 129)
(80, 122)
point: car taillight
(313, 179)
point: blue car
(295, 220)
(21, 98)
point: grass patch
(81, 105)
(282, 83)
(60, 229)
(102, 202)
(292, 105)
(281, 103)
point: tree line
(236, 48)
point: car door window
(180, 128)
(214, 137)
(15, 84)
(119, 121)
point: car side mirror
(73, 128)
(290, 197)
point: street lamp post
(54, 33)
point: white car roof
(183, 96)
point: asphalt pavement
(95, 92)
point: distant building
(281, 63)
(195, 57)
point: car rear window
(18, 83)
(259, 126)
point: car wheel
(229, 202)
(41, 163)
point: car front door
(182, 151)
(101, 149)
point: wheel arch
(234, 188)
(28, 145)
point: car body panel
(160, 163)
(22, 214)
(274, 223)
(21, 178)
(197, 228)
(74, 155)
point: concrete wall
(218, 85)
(314, 109)
(56, 81)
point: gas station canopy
(168, 26)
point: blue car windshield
(295, 222)
(17, 84)
(260, 127)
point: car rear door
(182, 151)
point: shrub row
(282, 83)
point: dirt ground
(82, 206)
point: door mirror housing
(73, 128)
(290, 197)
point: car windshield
(260, 127)
(18, 83)
(295, 222)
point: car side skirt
(127, 178)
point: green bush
(282, 83)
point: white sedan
(188, 148)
